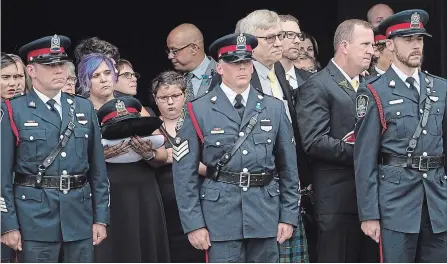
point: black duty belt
(242, 179)
(63, 182)
(422, 163)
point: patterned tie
(413, 88)
(355, 84)
(53, 109)
(239, 106)
(189, 87)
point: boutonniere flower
(344, 84)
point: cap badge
(415, 19)
(241, 42)
(121, 108)
(55, 44)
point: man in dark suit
(269, 75)
(326, 104)
(296, 77)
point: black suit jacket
(302, 160)
(326, 107)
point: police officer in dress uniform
(51, 140)
(400, 150)
(248, 201)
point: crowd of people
(258, 154)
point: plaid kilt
(294, 250)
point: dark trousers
(422, 247)
(73, 252)
(263, 250)
(340, 239)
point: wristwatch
(151, 157)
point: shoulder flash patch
(361, 105)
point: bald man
(187, 54)
(378, 13)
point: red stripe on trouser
(380, 249)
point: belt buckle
(421, 163)
(244, 179)
(62, 183)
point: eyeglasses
(174, 52)
(293, 35)
(174, 97)
(129, 75)
(72, 79)
(272, 39)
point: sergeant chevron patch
(3, 205)
(178, 152)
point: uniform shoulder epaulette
(16, 96)
(77, 95)
(200, 96)
(373, 79)
(434, 76)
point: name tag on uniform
(434, 98)
(266, 125)
(217, 131)
(31, 124)
(398, 101)
(81, 118)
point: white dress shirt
(56, 98)
(232, 94)
(404, 77)
(292, 79)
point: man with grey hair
(326, 103)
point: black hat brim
(142, 126)
(48, 60)
(409, 32)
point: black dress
(181, 250)
(137, 231)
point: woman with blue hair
(137, 231)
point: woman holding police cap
(137, 231)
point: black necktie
(413, 88)
(239, 106)
(53, 109)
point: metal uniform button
(424, 154)
(65, 192)
(244, 189)
(90, 194)
(63, 154)
(217, 143)
(23, 197)
(241, 134)
(383, 176)
(421, 111)
(424, 132)
(245, 152)
(86, 136)
(203, 195)
(424, 175)
(277, 191)
(64, 172)
(61, 136)
(445, 177)
(398, 113)
(269, 141)
(31, 138)
(245, 170)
